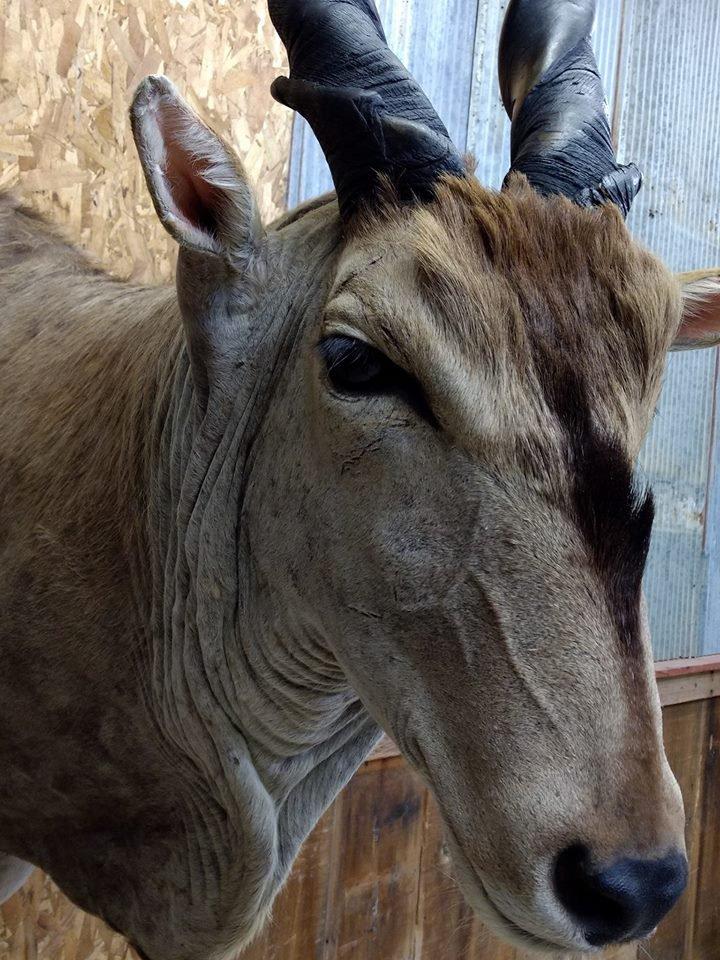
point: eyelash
(355, 368)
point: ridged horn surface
(369, 114)
(553, 94)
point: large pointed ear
(196, 181)
(700, 324)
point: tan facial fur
(535, 721)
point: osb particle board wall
(68, 69)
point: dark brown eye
(356, 368)
(353, 366)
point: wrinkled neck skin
(243, 685)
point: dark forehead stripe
(614, 516)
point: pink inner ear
(195, 199)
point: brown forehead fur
(511, 277)
(549, 326)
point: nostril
(622, 901)
(582, 894)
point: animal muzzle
(574, 876)
(621, 901)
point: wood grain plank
(683, 689)
(687, 666)
(444, 920)
(448, 927)
(707, 904)
(296, 928)
(382, 830)
(333, 901)
(628, 951)
(685, 733)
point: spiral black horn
(554, 96)
(369, 114)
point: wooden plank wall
(373, 882)
(659, 60)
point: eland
(369, 468)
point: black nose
(622, 901)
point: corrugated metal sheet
(662, 73)
(711, 545)
(667, 123)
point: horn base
(364, 145)
(561, 136)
